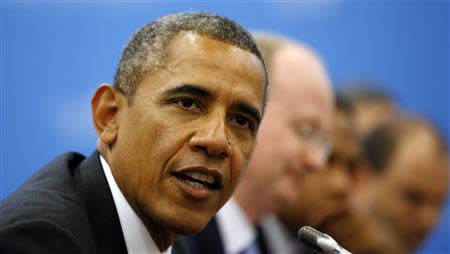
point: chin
(183, 221)
(187, 226)
(182, 218)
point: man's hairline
(163, 62)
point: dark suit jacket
(209, 240)
(66, 207)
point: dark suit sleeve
(38, 236)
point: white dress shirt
(235, 228)
(137, 239)
(278, 238)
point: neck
(162, 237)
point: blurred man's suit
(69, 204)
(209, 241)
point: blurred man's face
(370, 115)
(186, 139)
(410, 193)
(294, 131)
(324, 195)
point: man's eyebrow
(203, 92)
(190, 89)
(250, 110)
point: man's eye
(306, 131)
(188, 104)
(414, 198)
(242, 121)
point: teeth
(195, 184)
(201, 177)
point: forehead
(416, 163)
(190, 49)
(295, 63)
(300, 84)
(205, 60)
(344, 138)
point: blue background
(55, 53)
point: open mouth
(200, 180)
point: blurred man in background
(409, 178)
(292, 143)
(325, 199)
(372, 105)
(325, 195)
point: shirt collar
(235, 228)
(137, 238)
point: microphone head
(319, 241)
(310, 235)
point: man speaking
(175, 134)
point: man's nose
(314, 159)
(211, 137)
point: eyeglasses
(312, 137)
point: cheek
(239, 161)
(286, 190)
(270, 166)
(273, 131)
(157, 143)
(277, 146)
(435, 212)
(163, 136)
(386, 198)
(397, 206)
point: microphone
(320, 241)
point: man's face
(325, 195)
(410, 193)
(370, 115)
(186, 139)
(290, 141)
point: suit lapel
(208, 241)
(94, 190)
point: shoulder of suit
(47, 199)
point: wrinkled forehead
(299, 81)
(301, 63)
(301, 104)
(189, 48)
(188, 43)
(215, 65)
(414, 163)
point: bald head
(297, 69)
(292, 136)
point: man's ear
(106, 103)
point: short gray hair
(147, 47)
